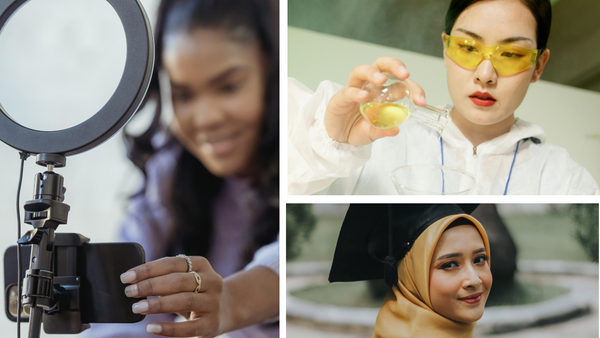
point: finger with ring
(162, 286)
(198, 281)
(188, 260)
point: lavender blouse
(148, 223)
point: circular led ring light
(115, 113)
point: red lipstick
(482, 99)
(472, 299)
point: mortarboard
(374, 237)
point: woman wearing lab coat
(333, 150)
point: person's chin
(220, 166)
(221, 169)
(483, 118)
(471, 316)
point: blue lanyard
(509, 173)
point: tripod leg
(35, 322)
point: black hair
(541, 10)
(194, 188)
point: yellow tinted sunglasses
(507, 59)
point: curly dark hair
(193, 187)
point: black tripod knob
(49, 185)
(54, 160)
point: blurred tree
(300, 222)
(585, 217)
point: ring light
(115, 113)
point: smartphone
(95, 267)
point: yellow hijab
(407, 311)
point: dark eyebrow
(505, 41)
(458, 254)
(471, 34)
(478, 251)
(216, 79)
(452, 255)
(515, 39)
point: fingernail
(402, 69)
(140, 307)
(422, 98)
(128, 277)
(131, 290)
(153, 328)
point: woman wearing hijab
(435, 259)
(493, 51)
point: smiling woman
(459, 283)
(435, 258)
(217, 85)
(211, 176)
(460, 276)
(493, 51)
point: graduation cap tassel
(390, 270)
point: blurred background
(545, 265)
(60, 61)
(413, 25)
(327, 39)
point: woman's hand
(245, 298)
(169, 279)
(343, 120)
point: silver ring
(198, 281)
(188, 260)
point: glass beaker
(388, 106)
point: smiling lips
(472, 299)
(482, 99)
(218, 145)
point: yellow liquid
(385, 115)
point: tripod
(52, 285)
(41, 290)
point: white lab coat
(319, 165)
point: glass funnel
(388, 106)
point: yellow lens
(463, 51)
(506, 59)
(509, 60)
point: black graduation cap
(370, 244)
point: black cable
(24, 157)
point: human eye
(180, 96)
(230, 87)
(449, 265)
(481, 259)
(512, 55)
(468, 48)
